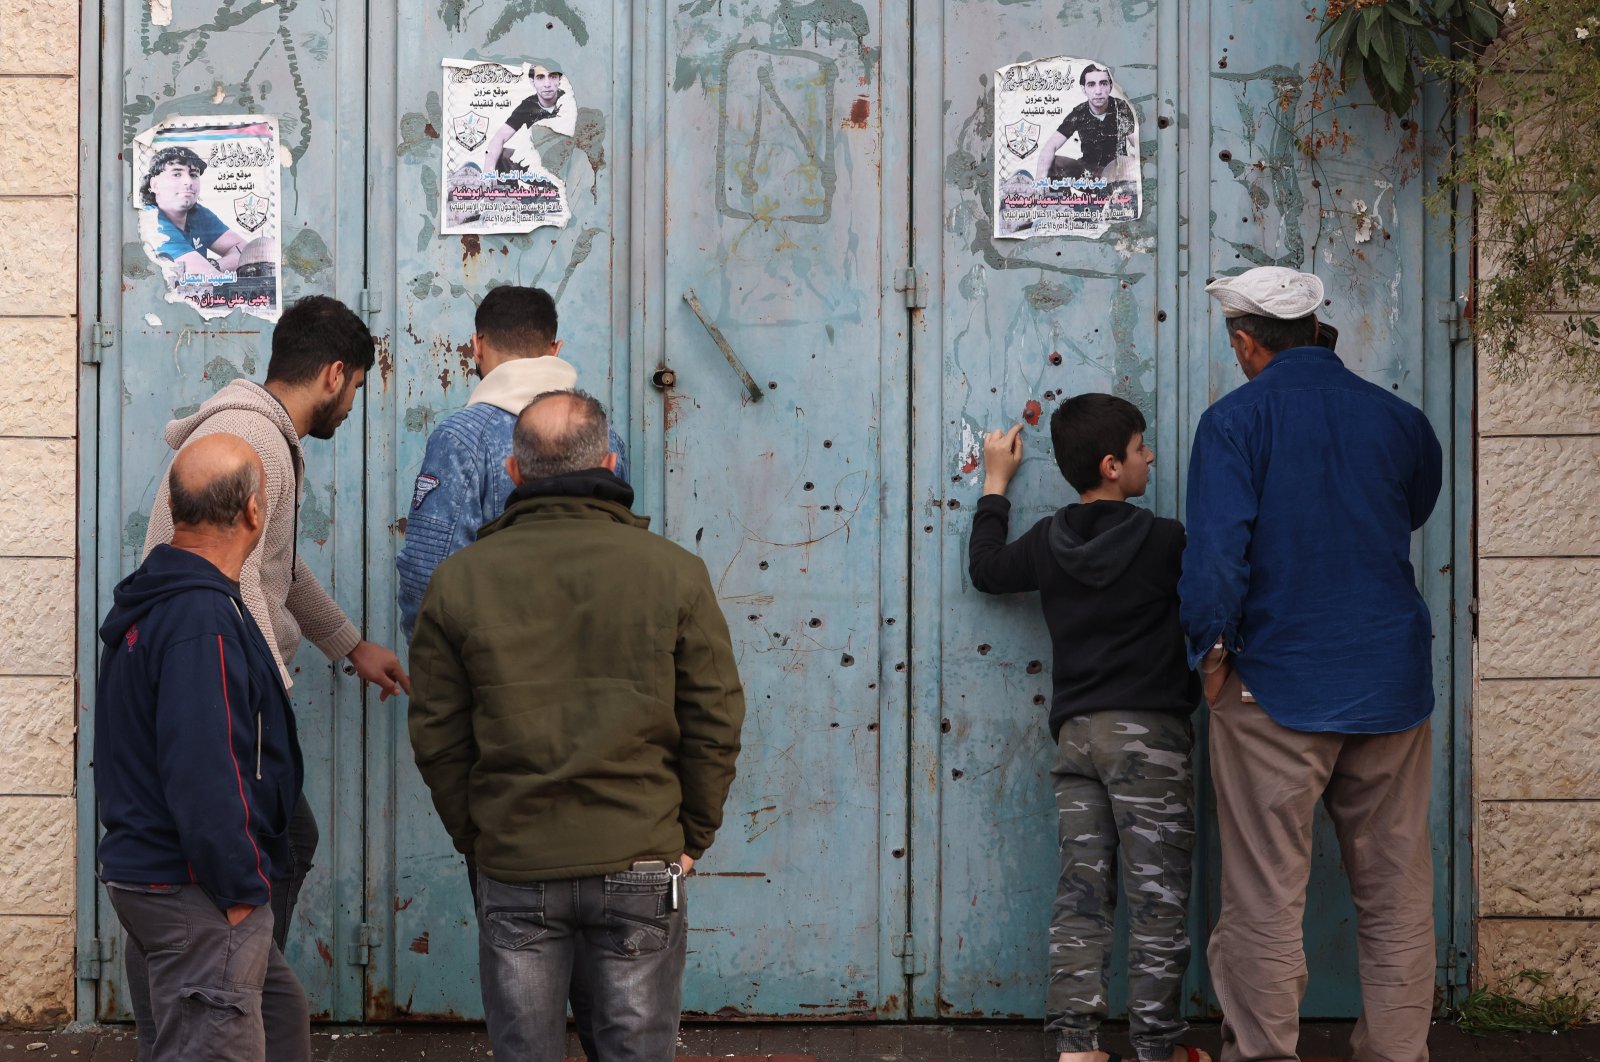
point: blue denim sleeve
(620, 448)
(1221, 516)
(445, 515)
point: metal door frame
(102, 170)
(1450, 400)
(1184, 90)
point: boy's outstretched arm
(994, 567)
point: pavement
(818, 1042)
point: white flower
(1583, 33)
(1511, 9)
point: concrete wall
(1537, 718)
(38, 505)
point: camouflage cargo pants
(1124, 797)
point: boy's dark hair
(1083, 78)
(1276, 334)
(516, 321)
(313, 333)
(1088, 427)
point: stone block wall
(38, 507)
(1536, 728)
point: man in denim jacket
(463, 483)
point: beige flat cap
(1268, 291)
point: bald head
(560, 432)
(212, 482)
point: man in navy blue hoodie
(197, 769)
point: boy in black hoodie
(197, 769)
(1107, 576)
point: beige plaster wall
(1536, 730)
(38, 506)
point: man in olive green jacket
(575, 712)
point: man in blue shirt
(464, 482)
(1303, 615)
(186, 232)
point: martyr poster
(1066, 152)
(207, 192)
(493, 177)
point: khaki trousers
(1376, 788)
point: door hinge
(907, 285)
(370, 302)
(1451, 316)
(101, 336)
(92, 959)
(911, 963)
(367, 938)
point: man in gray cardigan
(321, 353)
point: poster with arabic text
(1066, 152)
(207, 192)
(495, 117)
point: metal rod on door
(722, 344)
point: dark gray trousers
(202, 989)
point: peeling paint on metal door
(787, 478)
(1226, 93)
(424, 966)
(292, 61)
(749, 180)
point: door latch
(723, 345)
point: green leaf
(1408, 89)
(1483, 24)
(1427, 44)
(1369, 18)
(1383, 41)
(1377, 83)
(1339, 31)
(1399, 76)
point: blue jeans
(577, 995)
(614, 934)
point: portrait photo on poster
(1066, 151)
(207, 192)
(495, 116)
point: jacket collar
(591, 492)
(1302, 354)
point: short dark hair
(1275, 333)
(218, 502)
(1083, 78)
(313, 333)
(1088, 427)
(516, 321)
(584, 443)
(175, 153)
